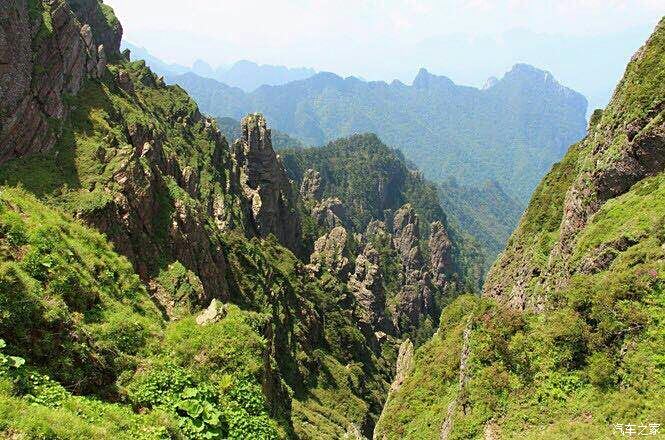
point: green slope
(569, 339)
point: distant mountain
(231, 129)
(244, 74)
(158, 66)
(469, 59)
(511, 131)
(249, 76)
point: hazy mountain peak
(202, 68)
(529, 73)
(425, 79)
(491, 82)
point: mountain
(243, 74)
(470, 59)
(159, 282)
(249, 76)
(486, 213)
(568, 336)
(510, 133)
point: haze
(467, 41)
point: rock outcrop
(330, 253)
(330, 213)
(415, 300)
(42, 62)
(406, 231)
(441, 255)
(366, 285)
(311, 187)
(143, 221)
(272, 204)
(215, 312)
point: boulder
(215, 312)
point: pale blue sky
(467, 40)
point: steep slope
(196, 218)
(511, 132)
(486, 213)
(568, 340)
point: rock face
(329, 253)
(415, 300)
(266, 185)
(42, 62)
(330, 213)
(134, 219)
(441, 255)
(404, 365)
(366, 285)
(406, 229)
(311, 188)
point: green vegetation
(511, 133)
(584, 350)
(109, 354)
(486, 213)
(373, 181)
(593, 359)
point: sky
(467, 40)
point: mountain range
(510, 132)
(243, 74)
(160, 281)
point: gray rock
(330, 213)
(311, 188)
(215, 312)
(329, 253)
(271, 203)
(366, 285)
(441, 255)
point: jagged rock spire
(267, 189)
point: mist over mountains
(244, 74)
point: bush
(601, 369)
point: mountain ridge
(451, 125)
(244, 74)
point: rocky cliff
(265, 184)
(44, 61)
(379, 224)
(625, 145)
